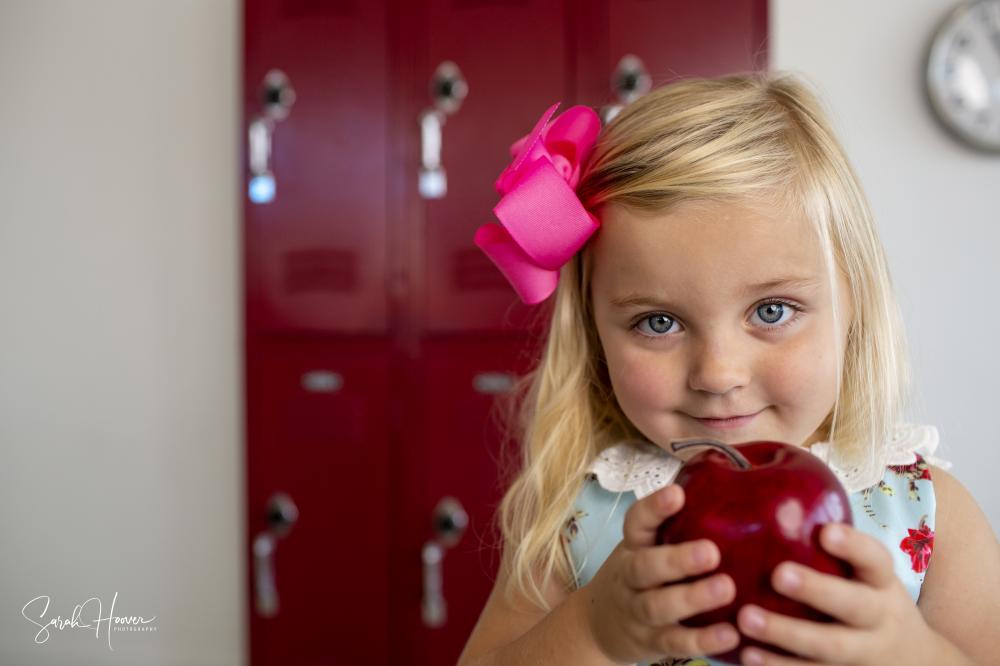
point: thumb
(644, 517)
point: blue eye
(658, 324)
(774, 309)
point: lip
(728, 424)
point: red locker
(316, 254)
(514, 56)
(318, 433)
(379, 339)
(449, 447)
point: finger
(681, 641)
(670, 562)
(644, 516)
(853, 603)
(670, 604)
(818, 641)
(758, 657)
(871, 560)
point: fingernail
(718, 587)
(752, 658)
(675, 494)
(703, 554)
(789, 578)
(724, 635)
(835, 535)
(753, 619)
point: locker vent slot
(320, 269)
(306, 8)
(462, 4)
(473, 271)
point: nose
(719, 366)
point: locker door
(708, 38)
(672, 40)
(318, 433)
(513, 56)
(316, 254)
(452, 449)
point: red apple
(761, 503)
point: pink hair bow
(543, 221)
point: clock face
(963, 73)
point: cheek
(641, 381)
(804, 371)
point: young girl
(716, 273)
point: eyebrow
(786, 282)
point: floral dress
(897, 509)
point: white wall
(935, 203)
(121, 465)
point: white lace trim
(644, 468)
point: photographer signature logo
(85, 616)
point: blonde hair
(749, 136)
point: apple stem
(734, 455)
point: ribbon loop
(542, 221)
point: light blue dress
(898, 510)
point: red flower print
(919, 545)
(921, 464)
(913, 472)
(916, 470)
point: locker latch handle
(449, 523)
(448, 89)
(281, 516)
(629, 82)
(276, 98)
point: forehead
(699, 248)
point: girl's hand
(878, 621)
(635, 602)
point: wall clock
(963, 74)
